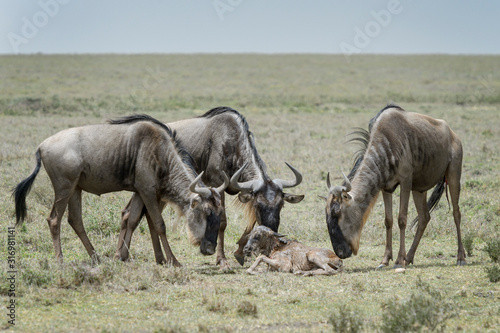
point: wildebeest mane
(224, 109)
(362, 137)
(186, 157)
(140, 117)
(248, 207)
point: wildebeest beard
(209, 242)
(339, 243)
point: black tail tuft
(23, 188)
(436, 195)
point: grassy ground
(300, 109)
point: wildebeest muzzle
(339, 243)
(209, 242)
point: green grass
(300, 109)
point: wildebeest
(220, 140)
(136, 153)
(290, 256)
(402, 148)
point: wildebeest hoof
(173, 263)
(381, 266)
(396, 266)
(461, 262)
(95, 259)
(240, 258)
(224, 264)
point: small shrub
(172, 275)
(469, 243)
(425, 310)
(493, 273)
(93, 275)
(246, 308)
(173, 329)
(345, 320)
(493, 249)
(40, 276)
(217, 306)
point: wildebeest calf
(291, 256)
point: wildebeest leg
(123, 230)
(155, 238)
(320, 261)
(154, 211)
(319, 271)
(221, 257)
(238, 254)
(403, 212)
(54, 220)
(453, 177)
(75, 220)
(262, 258)
(133, 217)
(130, 218)
(388, 229)
(424, 217)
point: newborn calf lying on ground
(286, 255)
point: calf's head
(261, 240)
(267, 197)
(203, 216)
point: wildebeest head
(261, 240)
(203, 216)
(337, 206)
(267, 197)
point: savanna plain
(301, 109)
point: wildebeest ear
(277, 234)
(292, 198)
(346, 196)
(245, 197)
(195, 201)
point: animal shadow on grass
(208, 269)
(435, 263)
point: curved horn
(348, 186)
(203, 191)
(251, 185)
(221, 188)
(337, 190)
(328, 184)
(289, 183)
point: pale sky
(255, 26)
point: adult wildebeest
(290, 256)
(136, 153)
(220, 140)
(402, 148)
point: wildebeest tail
(23, 188)
(436, 195)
